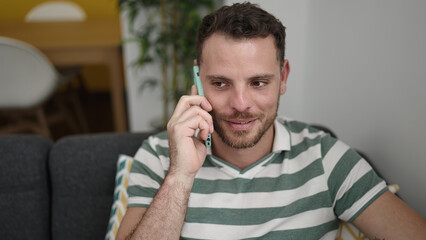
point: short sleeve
(352, 182)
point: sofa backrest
(83, 170)
(61, 190)
(24, 187)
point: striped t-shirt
(298, 191)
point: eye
(258, 83)
(219, 84)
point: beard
(240, 139)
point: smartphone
(197, 82)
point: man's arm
(129, 222)
(388, 217)
(165, 216)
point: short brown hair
(239, 21)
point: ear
(285, 71)
(195, 62)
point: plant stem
(175, 82)
(164, 66)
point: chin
(242, 139)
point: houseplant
(167, 37)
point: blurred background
(19, 20)
(357, 67)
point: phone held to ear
(197, 82)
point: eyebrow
(217, 77)
(253, 78)
(262, 77)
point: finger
(186, 102)
(205, 105)
(188, 127)
(204, 130)
(194, 90)
(194, 112)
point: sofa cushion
(119, 206)
(83, 172)
(24, 188)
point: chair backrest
(27, 77)
(56, 11)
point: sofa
(60, 190)
(66, 189)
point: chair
(60, 11)
(28, 80)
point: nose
(240, 99)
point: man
(264, 176)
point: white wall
(357, 67)
(144, 106)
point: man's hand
(187, 152)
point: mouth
(241, 124)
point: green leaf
(147, 84)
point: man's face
(243, 81)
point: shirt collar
(281, 136)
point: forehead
(224, 51)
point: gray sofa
(60, 190)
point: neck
(243, 158)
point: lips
(241, 125)
(240, 122)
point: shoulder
(153, 156)
(304, 133)
(303, 128)
(158, 137)
(156, 144)
(320, 141)
(154, 148)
